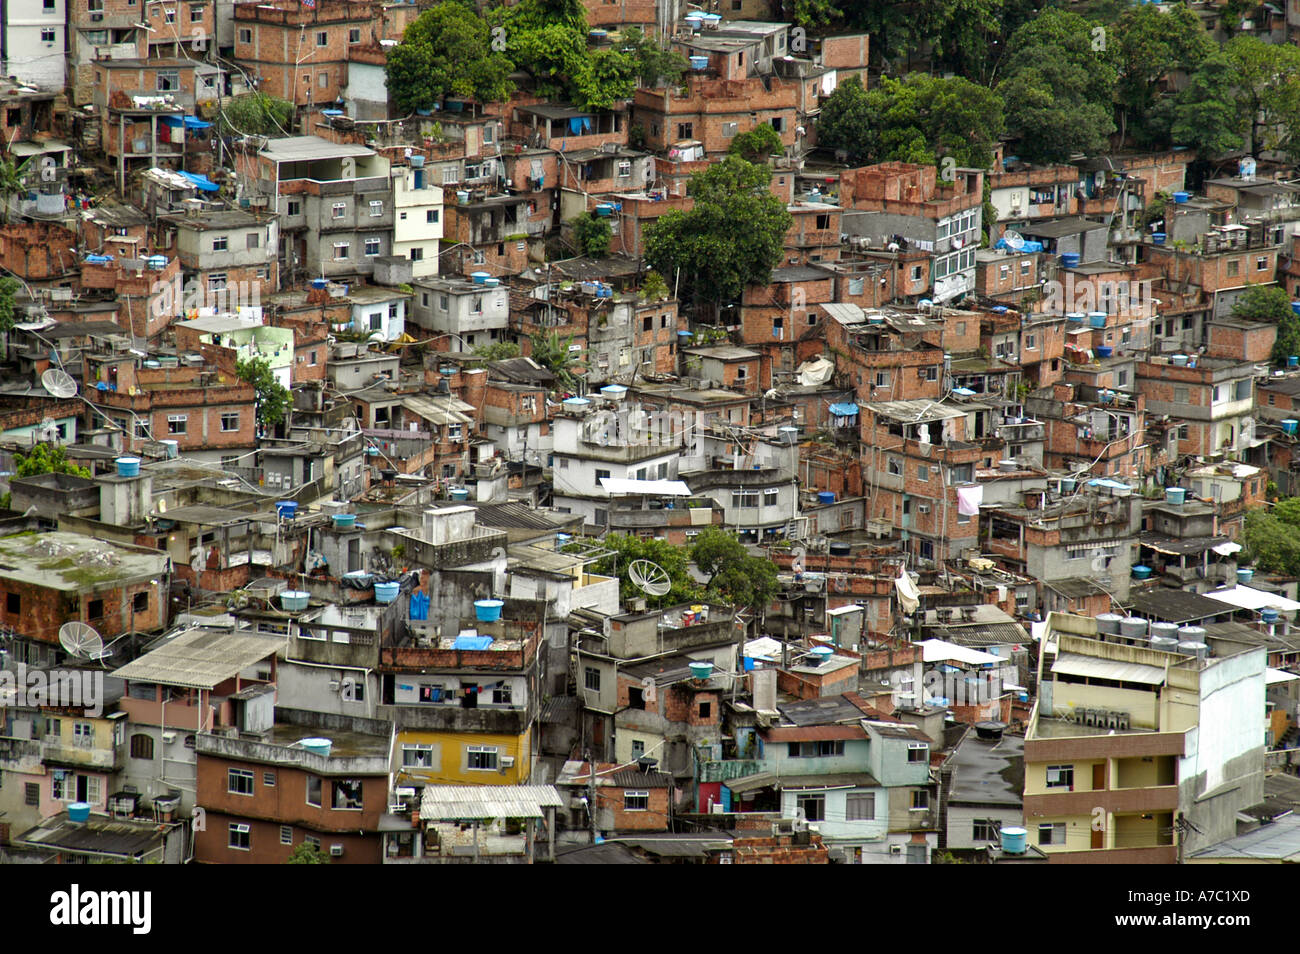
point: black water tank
(841, 549)
(991, 731)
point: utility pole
(591, 797)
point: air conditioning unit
(169, 737)
(507, 761)
(336, 851)
(895, 849)
(97, 18)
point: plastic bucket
(488, 611)
(386, 592)
(343, 520)
(78, 811)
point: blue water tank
(1014, 840)
(1070, 260)
(1158, 238)
(826, 497)
(1181, 197)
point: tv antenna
(650, 578)
(59, 383)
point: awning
(844, 410)
(1249, 598)
(202, 182)
(434, 412)
(659, 488)
(1073, 664)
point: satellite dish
(650, 578)
(80, 639)
(59, 383)
(1015, 241)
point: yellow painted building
(463, 758)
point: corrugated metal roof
(442, 802)
(438, 410)
(201, 658)
(1073, 664)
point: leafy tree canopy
(1151, 44)
(593, 234)
(733, 237)
(552, 353)
(757, 144)
(273, 398)
(447, 51)
(1271, 304)
(1059, 91)
(256, 114)
(735, 577)
(918, 118)
(47, 459)
(1272, 537)
(307, 854)
(673, 559)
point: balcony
(59, 752)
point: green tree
(593, 234)
(735, 577)
(918, 118)
(673, 559)
(12, 182)
(734, 236)
(605, 79)
(1272, 537)
(552, 353)
(1059, 91)
(554, 55)
(46, 459)
(9, 288)
(1152, 44)
(655, 66)
(447, 51)
(273, 398)
(758, 144)
(497, 351)
(1205, 115)
(1272, 305)
(255, 114)
(1265, 90)
(308, 854)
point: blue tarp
(189, 122)
(844, 410)
(203, 182)
(472, 642)
(1110, 484)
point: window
(728, 130)
(322, 38)
(239, 836)
(1261, 263)
(1060, 776)
(985, 829)
(771, 496)
(591, 678)
(169, 16)
(217, 281)
(860, 807)
(252, 240)
(417, 756)
(31, 793)
(706, 710)
(230, 421)
(286, 835)
(342, 250)
(372, 246)
(1051, 833)
(245, 36)
(339, 209)
(376, 207)
(47, 34)
(882, 379)
(13, 603)
(923, 472)
(601, 475)
(482, 757)
(354, 36)
(311, 841)
(313, 790)
(177, 423)
(812, 750)
(294, 207)
(1182, 395)
(95, 609)
(502, 695)
(417, 255)
(268, 779)
(1234, 266)
(920, 800)
(894, 466)
(141, 746)
(685, 131)
(918, 752)
(220, 243)
(638, 748)
(239, 782)
(916, 273)
(624, 168)
(169, 81)
(83, 735)
(636, 801)
(812, 807)
(347, 794)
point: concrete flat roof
(73, 563)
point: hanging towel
(969, 499)
(908, 595)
